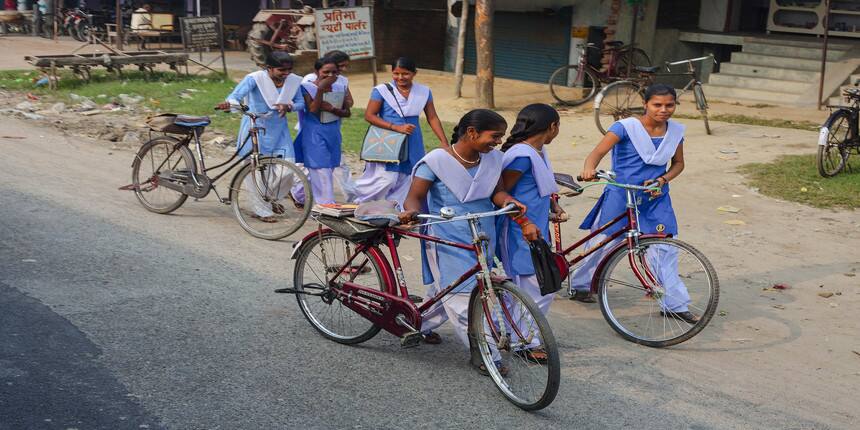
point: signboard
(345, 29)
(201, 32)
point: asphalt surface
(112, 317)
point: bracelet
(665, 181)
(522, 221)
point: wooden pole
(119, 25)
(484, 47)
(461, 48)
(824, 54)
(221, 29)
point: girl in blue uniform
(397, 106)
(259, 91)
(318, 145)
(645, 150)
(464, 176)
(527, 175)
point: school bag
(550, 268)
(384, 145)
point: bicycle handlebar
(692, 60)
(511, 208)
(609, 176)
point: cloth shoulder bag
(384, 145)
(550, 268)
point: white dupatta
(463, 185)
(412, 106)
(541, 167)
(645, 146)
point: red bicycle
(575, 84)
(644, 281)
(348, 291)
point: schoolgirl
(397, 105)
(645, 150)
(527, 175)
(464, 176)
(318, 145)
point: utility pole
(461, 48)
(484, 46)
(119, 25)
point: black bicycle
(839, 135)
(165, 173)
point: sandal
(296, 203)
(537, 355)
(503, 370)
(278, 208)
(432, 338)
(583, 296)
(686, 316)
(267, 219)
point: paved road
(112, 317)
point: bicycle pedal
(411, 339)
(286, 290)
(416, 299)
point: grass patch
(795, 178)
(751, 120)
(169, 92)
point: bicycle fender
(822, 136)
(623, 244)
(825, 129)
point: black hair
(320, 62)
(338, 56)
(278, 59)
(659, 90)
(404, 63)
(480, 120)
(533, 119)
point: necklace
(454, 150)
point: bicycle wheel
(833, 153)
(572, 86)
(262, 202)
(615, 101)
(635, 58)
(322, 257)
(506, 329)
(702, 105)
(159, 157)
(683, 279)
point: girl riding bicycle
(527, 175)
(464, 177)
(642, 148)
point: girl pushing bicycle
(647, 149)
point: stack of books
(337, 210)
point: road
(112, 317)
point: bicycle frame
(632, 235)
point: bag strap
(391, 90)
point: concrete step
(769, 72)
(777, 61)
(791, 51)
(756, 83)
(803, 42)
(720, 92)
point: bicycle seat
(613, 43)
(192, 121)
(646, 69)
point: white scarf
(541, 167)
(412, 106)
(312, 77)
(464, 186)
(266, 86)
(645, 146)
(312, 88)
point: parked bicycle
(839, 136)
(626, 98)
(640, 276)
(576, 84)
(165, 173)
(348, 291)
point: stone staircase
(774, 71)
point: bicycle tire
(616, 101)
(287, 215)
(832, 157)
(636, 56)
(617, 281)
(566, 95)
(512, 302)
(315, 308)
(163, 150)
(702, 105)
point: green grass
(795, 178)
(164, 92)
(751, 120)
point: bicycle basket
(165, 123)
(348, 227)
